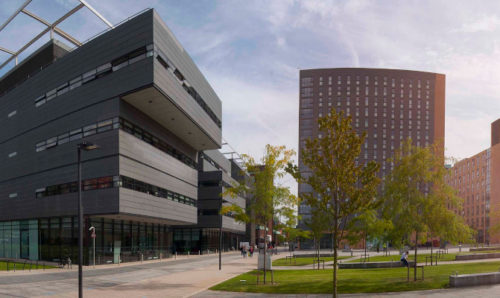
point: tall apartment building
(389, 105)
(474, 178)
(216, 173)
(136, 93)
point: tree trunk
(415, 264)
(365, 246)
(432, 244)
(265, 248)
(318, 249)
(335, 260)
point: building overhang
(162, 109)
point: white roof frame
(50, 27)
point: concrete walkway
(183, 277)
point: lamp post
(92, 228)
(220, 235)
(87, 146)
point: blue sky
(251, 53)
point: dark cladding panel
(29, 67)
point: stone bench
(371, 265)
(478, 279)
(477, 256)
(310, 255)
(484, 248)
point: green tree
(341, 187)
(369, 226)
(267, 197)
(418, 200)
(318, 224)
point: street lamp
(87, 146)
(93, 235)
(220, 236)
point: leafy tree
(341, 187)
(419, 201)
(267, 198)
(369, 226)
(318, 224)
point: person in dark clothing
(404, 258)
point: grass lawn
(421, 258)
(352, 280)
(19, 266)
(303, 261)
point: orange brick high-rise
(390, 105)
(476, 180)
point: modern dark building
(216, 174)
(136, 93)
(389, 105)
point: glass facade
(193, 240)
(127, 241)
(55, 239)
(19, 239)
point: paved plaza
(182, 277)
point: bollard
(188, 253)
(199, 252)
(142, 257)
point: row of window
(308, 92)
(78, 133)
(114, 123)
(140, 133)
(189, 89)
(211, 161)
(309, 102)
(167, 64)
(156, 191)
(212, 212)
(96, 73)
(308, 81)
(114, 181)
(70, 187)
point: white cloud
(484, 23)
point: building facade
(136, 93)
(216, 174)
(389, 105)
(474, 178)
